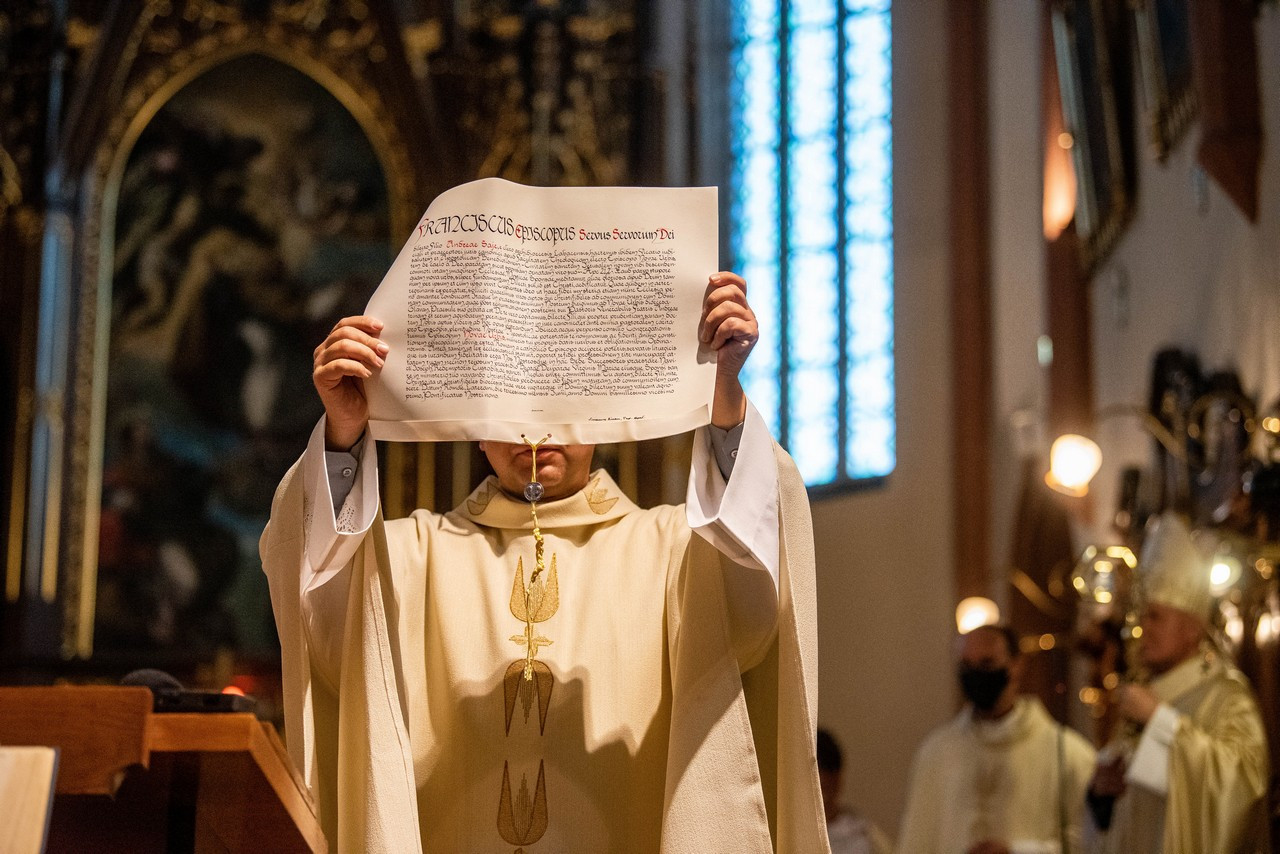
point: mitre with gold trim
(1172, 570)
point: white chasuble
(671, 699)
(1211, 763)
(1019, 780)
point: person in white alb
(1003, 777)
(548, 663)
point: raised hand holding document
(564, 310)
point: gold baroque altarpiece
(140, 66)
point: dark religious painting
(251, 214)
(1162, 33)
(1084, 38)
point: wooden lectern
(133, 780)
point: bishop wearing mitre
(548, 667)
(1188, 773)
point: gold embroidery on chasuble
(528, 682)
(516, 687)
(535, 603)
(598, 498)
(479, 500)
(523, 821)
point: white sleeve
(332, 538)
(331, 543)
(738, 516)
(1149, 767)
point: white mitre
(1172, 570)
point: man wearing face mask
(1002, 777)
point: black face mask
(983, 687)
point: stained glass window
(811, 226)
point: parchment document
(572, 311)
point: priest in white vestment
(1188, 771)
(1002, 777)
(654, 690)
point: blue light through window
(811, 226)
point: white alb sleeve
(738, 516)
(1149, 767)
(332, 538)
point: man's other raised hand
(729, 327)
(350, 354)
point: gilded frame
(1082, 40)
(1162, 37)
(76, 499)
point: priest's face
(1170, 636)
(562, 469)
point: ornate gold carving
(546, 105)
(524, 821)
(420, 41)
(10, 182)
(27, 46)
(514, 687)
(81, 34)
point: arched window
(811, 226)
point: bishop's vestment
(1198, 777)
(670, 692)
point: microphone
(170, 696)
(157, 680)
